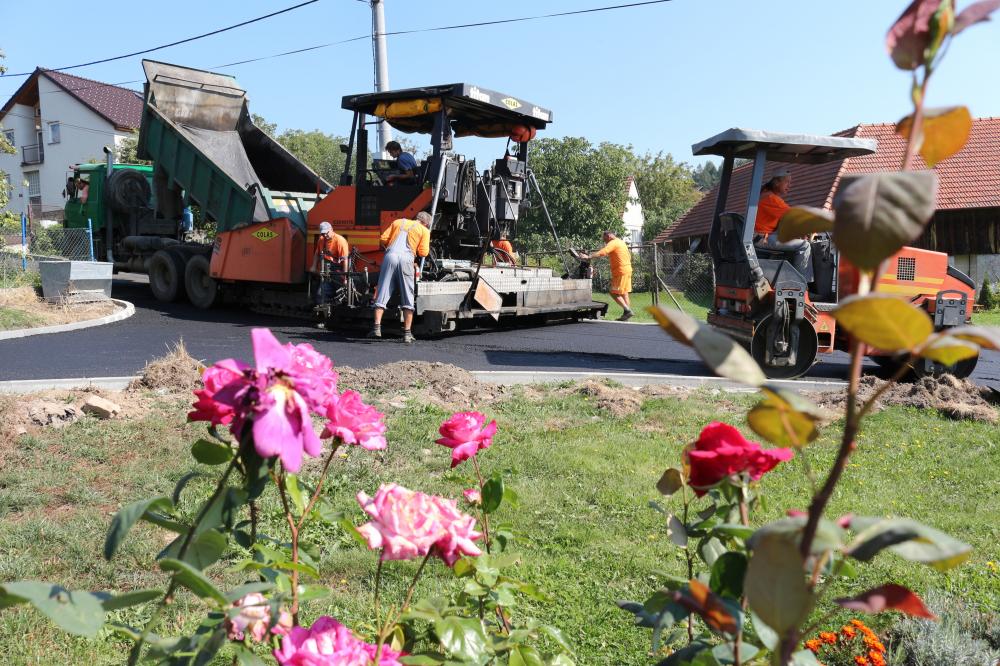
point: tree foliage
(666, 191)
(6, 217)
(126, 152)
(706, 176)
(318, 150)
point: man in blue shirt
(407, 164)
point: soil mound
(955, 398)
(176, 372)
(616, 400)
(441, 384)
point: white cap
(781, 172)
(325, 227)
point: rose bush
(329, 643)
(721, 452)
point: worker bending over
(404, 241)
(769, 211)
(504, 244)
(331, 249)
(621, 271)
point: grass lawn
(585, 530)
(987, 318)
(12, 318)
(642, 300)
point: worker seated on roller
(406, 163)
(332, 251)
(769, 211)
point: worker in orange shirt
(331, 249)
(621, 271)
(769, 211)
(504, 244)
(404, 240)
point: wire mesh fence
(682, 280)
(20, 255)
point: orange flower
(876, 658)
(814, 645)
(828, 637)
(859, 624)
(861, 661)
(848, 631)
(873, 643)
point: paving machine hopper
(764, 302)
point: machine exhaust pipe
(109, 232)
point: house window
(54, 132)
(637, 237)
(9, 135)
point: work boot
(376, 332)
(408, 337)
(626, 315)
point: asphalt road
(123, 348)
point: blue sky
(659, 77)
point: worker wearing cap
(621, 271)
(769, 212)
(334, 249)
(404, 241)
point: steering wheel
(375, 179)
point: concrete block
(101, 408)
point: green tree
(318, 150)
(583, 185)
(126, 152)
(707, 176)
(666, 191)
(7, 218)
(270, 129)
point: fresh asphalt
(124, 347)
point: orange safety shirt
(769, 212)
(418, 237)
(503, 245)
(619, 254)
(335, 248)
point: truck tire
(166, 275)
(128, 189)
(202, 289)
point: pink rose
(465, 434)
(407, 524)
(329, 643)
(472, 496)
(253, 618)
(354, 422)
(288, 384)
(721, 452)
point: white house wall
(83, 135)
(633, 217)
(21, 119)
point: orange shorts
(621, 283)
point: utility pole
(381, 54)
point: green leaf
(194, 580)
(804, 658)
(720, 352)
(208, 452)
(295, 492)
(493, 493)
(726, 652)
(248, 588)
(671, 481)
(781, 411)
(732, 530)
(676, 532)
(727, 575)
(884, 321)
(210, 647)
(204, 550)
(949, 351)
(685, 654)
(525, 655)
(803, 221)
(127, 599)
(829, 535)
(710, 550)
(463, 638)
(767, 636)
(127, 517)
(420, 660)
(556, 635)
(909, 539)
(77, 612)
(510, 496)
(224, 510)
(561, 660)
(775, 583)
(877, 214)
(246, 657)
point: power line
(182, 41)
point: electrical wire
(182, 41)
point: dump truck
(267, 206)
(763, 301)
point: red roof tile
(969, 179)
(119, 106)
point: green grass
(986, 318)
(12, 318)
(642, 300)
(585, 530)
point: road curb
(612, 321)
(127, 310)
(506, 377)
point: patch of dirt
(955, 398)
(177, 372)
(441, 384)
(26, 300)
(617, 400)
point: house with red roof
(55, 120)
(966, 224)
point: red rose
(721, 452)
